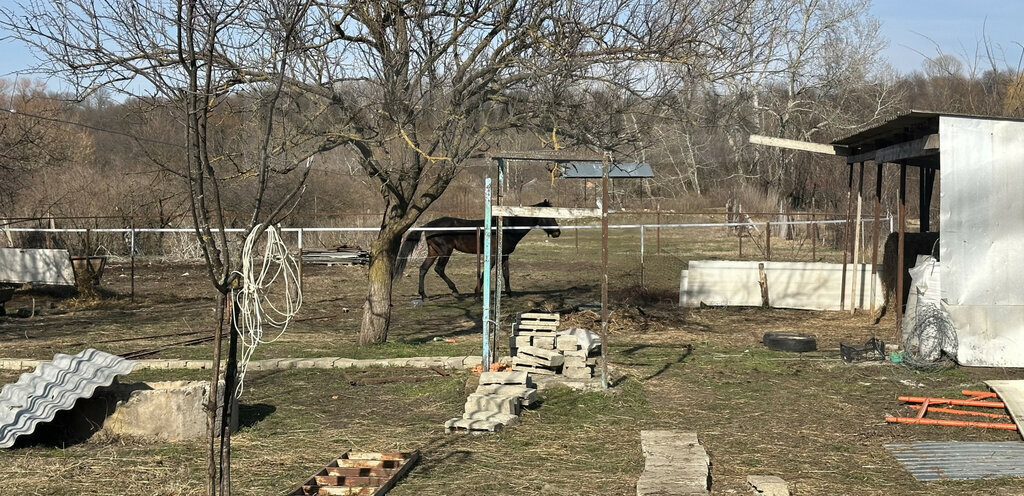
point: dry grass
(811, 419)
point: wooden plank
(552, 212)
(1012, 394)
(921, 147)
(548, 155)
(804, 146)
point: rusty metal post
(739, 236)
(577, 231)
(900, 254)
(604, 269)
(812, 231)
(643, 282)
(875, 231)
(768, 240)
(479, 255)
(657, 231)
(846, 240)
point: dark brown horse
(441, 243)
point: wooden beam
(921, 147)
(547, 155)
(804, 146)
(553, 212)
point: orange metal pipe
(951, 423)
(961, 412)
(949, 401)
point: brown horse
(441, 243)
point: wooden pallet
(359, 474)
(536, 321)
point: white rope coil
(256, 305)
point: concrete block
(566, 342)
(574, 353)
(473, 361)
(156, 411)
(506, 378)
(526, 395)
(578, 372)
(176, 364)
(768, 485)
(532, 369)
(547, 357)
(545, 342)
(305, 363)
(459, 424)
(574, 362)
(198, 364)
(501, 418)
(324, 362)
(493, 403)
(455, 363)
(520, 341)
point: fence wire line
(430, 229)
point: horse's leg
(442, 262)
(427, 262)
(504, 270)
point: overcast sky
(912, 27)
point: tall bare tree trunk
(377, 308)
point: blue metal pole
(487, 276)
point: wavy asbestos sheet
(54, 386)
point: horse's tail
(411, 240)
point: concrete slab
(544, 342)
(578, 372)
(676, 464)
(546, 357)
(526, 395)
(1011, 392)
(493, 402)
(566, 342)
(459, 424)
(519, 366)
(768, 485)
(508, 378)
(501, 418)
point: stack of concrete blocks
(496, 403)
(536, 347)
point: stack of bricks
(496, 403)
(537, 348)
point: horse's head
(549, 225)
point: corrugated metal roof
(52, 387)
(910, 125)
(942, 460)
(580, 170)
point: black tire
(789, 341)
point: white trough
(798, 285)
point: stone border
(457, 362)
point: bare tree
(417, 89)
(196, 58)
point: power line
(94, 128)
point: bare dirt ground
(811, 419)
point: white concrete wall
(36, 266)
(808, 286)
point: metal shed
(981, 209)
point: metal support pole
(500, 273)
(856, 241)
(604, 269)
(298, 263)
(479, 253)
(846, 240)
(874, 235)
(132, 248)
(657, 232)
(768, 240)
(643, 282)
(486, 323)
(900, 254)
